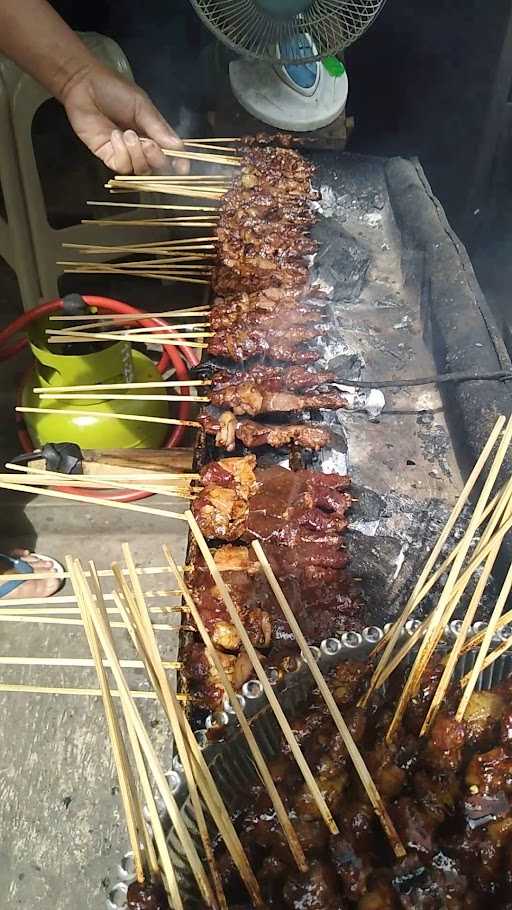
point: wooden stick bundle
(353, 751)
(446, 603)
(430, 563)
(158, 833)
(137, 617)
(150, 756)
(133, 809)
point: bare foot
(38, 587)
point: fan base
(260, 90)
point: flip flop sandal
(24, 568)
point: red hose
(170, 356)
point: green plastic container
(116, 363)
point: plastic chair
(24, 98)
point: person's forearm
(39, 41)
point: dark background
(428, 79)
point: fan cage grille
(247, 29)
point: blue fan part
(303, 74)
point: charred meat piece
(274, 379)
(241, 344)
(247, 397)
(272, 503)
(252, 435)
(203, 679)
(146, 896)
(227, 281)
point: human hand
(109, 114)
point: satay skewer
(154, 205)
(436, 627)
(132, 317)
(503, 512)
(78, 268)
(476, 639)
(485, 645)
(136, 694)
(80, 662)
(64, 621)
(109, 396)
(355, 755)
(102, 630)
(133, 810)
(174, 338)
(113, 386)
(158, 833)
(46, 480)
(492, 656)
(260, 763)
(208, 788)
(108, 415)
(14, 486)
(135, 612)
(389, 644)
(309, 779)
(481, 552)
(148, 222)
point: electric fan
(287, 75)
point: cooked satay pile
(449, 795)
(266, 308)
(300, 516)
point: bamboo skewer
(505, 511)
(182, 242)
(492, 656)
(132, 317)
(108, 386)
(173, 338)
(72, 611)
(473, 642)
(143, 487)
(142, 418)
(101, 627)
(486, 643)
(429, 565)
(102, 269)
(148, 222)
(154, 205)
(482, 551)
(103, 573)
(85, 692)
(269, 692)
(200, 156)
(158, 833)
(81, 662)
(61, 621)
(355, 755)
(170, 327)
(58, 396)
(435, 628)
(76, 497)
(147, 647)
(162, 482)
(260, 763)
(133, 810)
